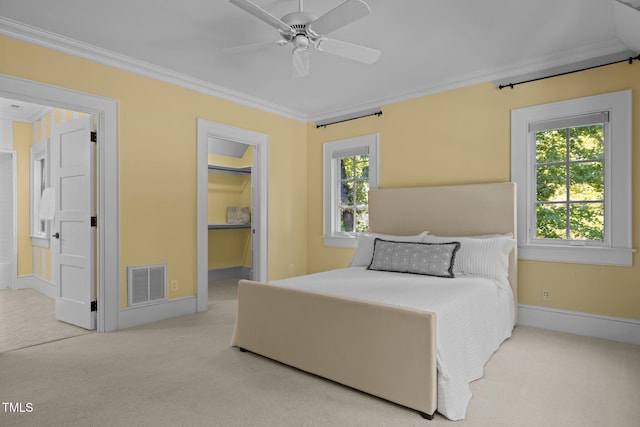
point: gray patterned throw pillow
(430, 259)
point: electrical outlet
(174, 285)
(292, 268)
(546, 295)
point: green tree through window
(354, 194)
(570, 183)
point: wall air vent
(147, 284)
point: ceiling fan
(306, 31)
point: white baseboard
(33, 282)
(573, 322)
(230, 273)
(7, 275)
(134, 316)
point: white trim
(37, 36)
(529, 65)
(108, 241)
(39, 151)
(40, 242)
(372, 144)
(57, 42)
(6, 133)
(12, 265)
(33, 282)
(578, 323)
(617, 248)
(577, 254)
(260, 199)
(627, 23)
(140, 315)
(337, 241)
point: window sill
(341, 241)
(41, 242)
(577, 254)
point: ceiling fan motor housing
(305, 31)
(299, 22)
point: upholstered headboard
(450, 210)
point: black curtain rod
(377, 113)
(630, 60)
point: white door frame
(260, 143)
(108, 241)
(14, 214)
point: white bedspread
(474, 316)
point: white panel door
(73, 242)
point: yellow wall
(463, 136)
(459, 136)
(22, 140)
(157, 162)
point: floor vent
(147, 284)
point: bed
(378, 331)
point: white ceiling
(427, 45)
(20, 111)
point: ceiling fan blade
(352, 51)
(300, 62)
(340, 16)
(263, 15)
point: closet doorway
(230, 204)
(240, 156)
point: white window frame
(331, 179)
(39, 153)
(617, 246)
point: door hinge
(94, 221)
(94, 136)
(94, 305)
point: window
(39, 181)
(350, 170)
(572, 163)
(39, 186)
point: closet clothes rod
(629, 60)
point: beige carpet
(27, 318)
(182, 372)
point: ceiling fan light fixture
(300, 41)
(304, 30)
(300, 62)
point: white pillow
(364, 252)
(480, 255)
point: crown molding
(73, 47)
(608, 47)
(37, 36)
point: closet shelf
(230, 170)
(228, 226)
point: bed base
(422, 414)
(382, 350)
(426, 416)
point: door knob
(57, 235)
